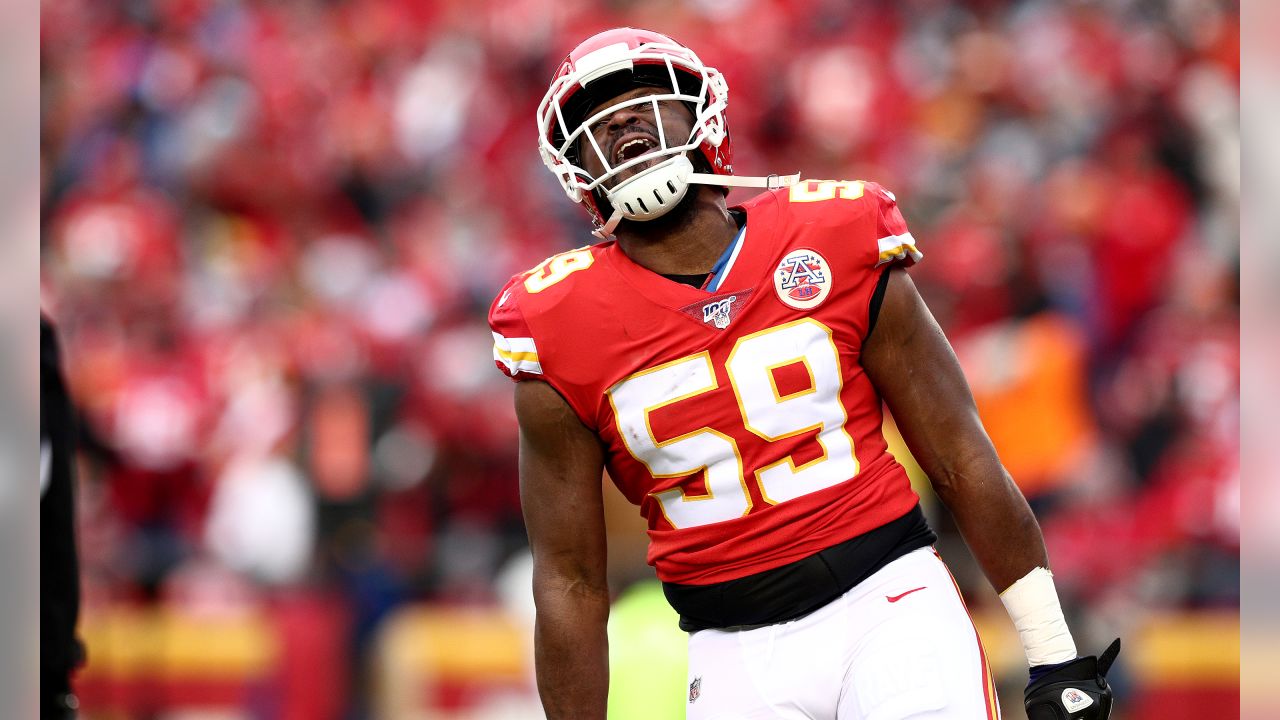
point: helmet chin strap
(773, 182)
(653, 192)
(606, 231)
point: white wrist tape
(1032, 603)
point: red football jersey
(739, 420)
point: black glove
(1074, 690)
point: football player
(726, 365)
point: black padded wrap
(798, 588)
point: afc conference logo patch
(803, 279)
(695, 689)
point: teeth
(620, 153)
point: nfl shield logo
(695, 689)
(1073, 700)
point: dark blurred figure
(60, 651)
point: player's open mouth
(632, 147)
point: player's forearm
(1005, 538)
(571, 649)
(994, 518)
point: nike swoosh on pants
(896, 598)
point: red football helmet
(606, 65)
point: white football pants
(899, 645)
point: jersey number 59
(765, 413)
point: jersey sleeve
(896, 245)
(514, 350)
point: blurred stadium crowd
(272, 231)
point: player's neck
(688, 244)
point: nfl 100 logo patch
(718, 311)
(803, 279)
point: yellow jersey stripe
(516, 356)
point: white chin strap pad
(652, 192)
